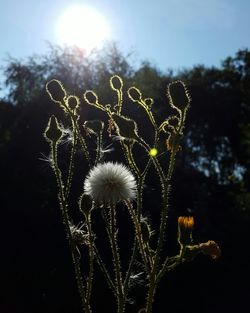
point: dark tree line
(211, 179)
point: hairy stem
(138, 232)
(91, 257)
(71, 164)
(116, 259)
(64, 209)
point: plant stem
(138, 232)
(71, 164)
(116, 259)
(91, 257)
(64, 209)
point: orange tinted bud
(211, 248)
(186, 222)
(173, 142)
(185, 227)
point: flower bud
(116, 82)
(173, 141)
(85, 204)
(125, 127)
(149, 102)
(73, 102)
(56, 90)
(53, 132)
(90, 97)
(185, 228)
(178, 95)
(211, 248)
(134, 94)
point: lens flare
(82, 26)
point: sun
(82, 26)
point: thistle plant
(110, 185)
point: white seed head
(109, 183)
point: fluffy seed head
(109, 183)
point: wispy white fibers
(109, 183)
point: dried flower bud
(178, 95)
(90, 97)
(116, 82)
(85, 204)
(134, 94)
(56, 91)
(149, 102)
(125, 127)
(53, 132)
(185, 228)
(211, 248)
(173, 141)
(73, 102)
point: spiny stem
(76, 129)
(98, 148)
(138, 232)
(64, 209)
(71, 164)
(135, 245)
(91, 257)
(116, 258)
(153, 276)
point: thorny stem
(153, 276)
(140, 177)
(165, 189)
(132, 164)
(138, 232)
(135, 246)
(91, 257)
(64, 209)
(82, 141)
(71, 164)
(116, 257)
(168, 265)
(99, 148)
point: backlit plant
(110, 185)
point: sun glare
(82, 26)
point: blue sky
(169, 33)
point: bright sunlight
(82, 26)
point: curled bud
(178, 95)
(185, 228)
(116, 82)
(134, 94)
(53, 132)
